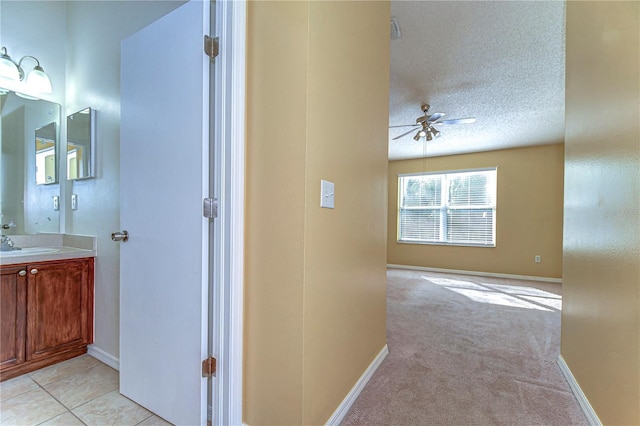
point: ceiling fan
(425, 124)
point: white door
(164, 157)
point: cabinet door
(13, 294)
(59, 307)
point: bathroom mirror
(80, 144)
(46, 147)
(30, 206)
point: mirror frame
(91, 173)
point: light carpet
(466, 350)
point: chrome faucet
(6, 244)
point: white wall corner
(353, 394)
(103, 356)
(592, 417)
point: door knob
(120, 236)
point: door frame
(228, 279)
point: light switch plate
(56, 203)
(327, 196)
(74, 201)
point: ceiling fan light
(422, 133)
(429, 137)
(435, 132)
(417, 136)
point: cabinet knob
(34, 271)
(22, 273)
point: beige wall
(528, 214)
(315, 278)
(601, 311)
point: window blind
(456, 207)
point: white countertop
(49, 247)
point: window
(457, 207)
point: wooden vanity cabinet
(13, 315)
(46, 314)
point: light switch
(56, 203)
(327, 196)
(74, 201)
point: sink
(29, 251)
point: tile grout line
(69, 409)
(146, 418)
(43, 384)
(18, 394)
(68, 388)
(59, 402)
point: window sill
(426, 243)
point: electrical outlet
(537, 259)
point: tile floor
(80, 391)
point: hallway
(469, 350)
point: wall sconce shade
(36, 80)
(8, 68)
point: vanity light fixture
(36, 80)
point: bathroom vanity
(46, 305)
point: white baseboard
(592, 417)
(351, 397)
(477, 273)
(103, 356)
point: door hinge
(209, 367)
(210, 208)
(211, 46)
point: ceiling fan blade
(457, 121)
(404, 134)
(435, 117)
(403, 125)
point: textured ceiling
(501, 62)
